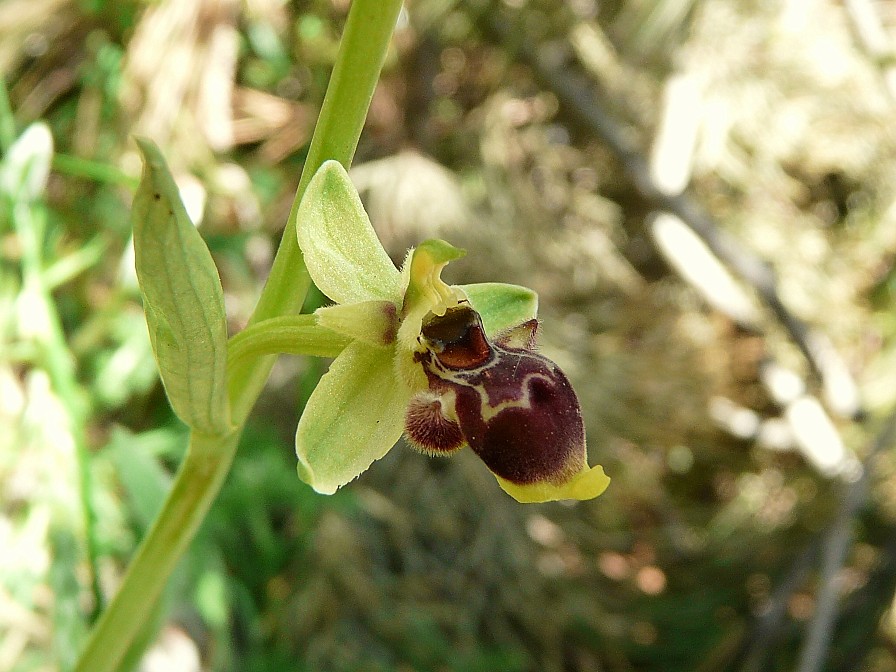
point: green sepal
(501, 306)
(354, 416)
(182, 298)
(342, 252)
(374, 322)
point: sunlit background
(703, 193)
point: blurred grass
(423, 564)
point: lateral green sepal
(182, 298)
(354, 416)
(501, 306)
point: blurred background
(703, 192)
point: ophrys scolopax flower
(449, 366)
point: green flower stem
(198, 480)
(362, 53)
(290, 334)
(358, 64)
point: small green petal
(342, 252)
(501, 306)
(587, 484)
(427, 292)
(374, 322)
(354, 416)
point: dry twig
(838, 541)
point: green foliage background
(703, 553)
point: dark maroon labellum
(514, 407)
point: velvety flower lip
(448, 366)
(514, 408)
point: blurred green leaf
(211, 598)
(182, 298)
(126, 367)
(26, 166)
(144, 479)
(69, 627)
(7, 120)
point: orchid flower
(447, 366)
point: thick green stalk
(290, 334)
(198, 480)
(358, 64)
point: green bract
(182, 298)
(358, 410)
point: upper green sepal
(343, 255)
(182, 298)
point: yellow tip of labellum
(587, 484)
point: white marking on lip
(489, 412)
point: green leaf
(140, 473)
(182, 298)
(354, 416)
(343, 255)
(501, 306)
